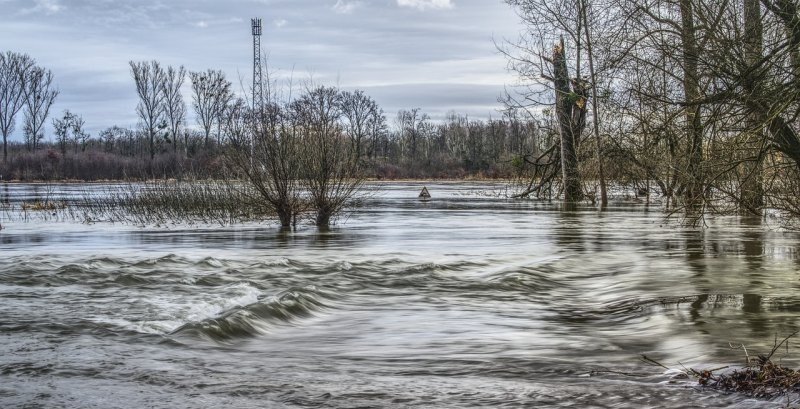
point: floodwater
(467, 300)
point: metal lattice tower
(258, 86)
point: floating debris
(760, 378)
(765, 379)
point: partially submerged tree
(584, 10)
(571, 113)
(331, 169)
(752, 182)
(695, 187)
(296, 156)
(547, 80)
(265, 150)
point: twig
(653, 362)
(746, 355)
(775, 348)
(633, 374)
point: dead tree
(546, 80)
(571, 114)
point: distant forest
(415, 148)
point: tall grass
(174, 202)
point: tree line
(166, 145)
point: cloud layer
(433, 54)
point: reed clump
(173, 202)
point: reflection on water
(753, 252)
(466, 300)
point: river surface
(467, 300)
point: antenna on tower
(258, 86)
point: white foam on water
(166, 312)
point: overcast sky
(438, 55)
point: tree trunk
(752, 189)
(571, 119)
(323, 218)
(595, 102)
(285, 217)
(691, 89)
(152, 146)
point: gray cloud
(433, 54)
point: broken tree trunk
(571, 114)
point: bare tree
(149, 78)
(211, 93)
(174, 107)
(69, 129)
(692, 93)
(62, 127)
(39, 97)
(331, 169)
(113, 136)
(584, 10)
(264, 148)
(79, 136)
(547, 80)
(364, 118)
(14, 68)
(410, 124)
(752, 189)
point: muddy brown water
(466, 300)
